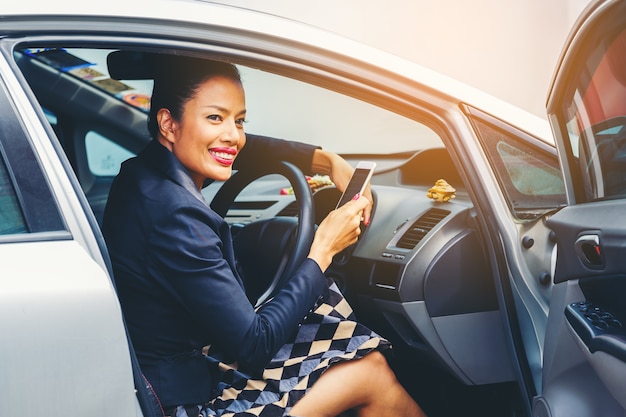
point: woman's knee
(375, 359)
(378, 368)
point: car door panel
(571, 384)
(52, 298)
(584, 367)
(590, 240)
(64, 347)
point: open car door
(584, 360)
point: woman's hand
(340, 171)
(340, 229)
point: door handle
(589, 250)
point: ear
(167, 125)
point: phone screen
(354, 186)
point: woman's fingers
(340, 229)
(350, 217)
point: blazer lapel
(161, 159)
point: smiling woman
(198, 118)
(210, 350)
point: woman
(199, 341)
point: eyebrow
(223, 110)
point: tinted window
(27, 203)
(529, 175)
(11, 217)
(593, 114)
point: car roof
(236, 19)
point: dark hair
(177, 81)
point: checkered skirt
(329, 334)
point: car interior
(419, 275)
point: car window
(594, 113)
(531, 180)
(529, 175)
(11, 217)
(104, 156)
(277, 106)
(27, 204)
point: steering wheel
(269, 251)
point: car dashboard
(418, 274)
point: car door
(64, 348)
(584, 361)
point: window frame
(35, 199)
(535, 205)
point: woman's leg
(367, 385)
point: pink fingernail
(356, 196)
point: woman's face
(209, 135)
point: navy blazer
(175, 272)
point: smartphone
(360, 178)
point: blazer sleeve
(196, 269)
(260, 150)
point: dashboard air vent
(421, 227)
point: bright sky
(508, 48)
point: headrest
(133, 65)
(137, 65)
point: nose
(232, 132)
